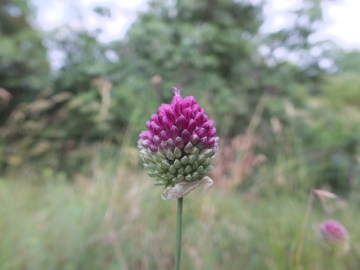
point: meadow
(74, 193)
(114, 218)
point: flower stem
(302, 231)
(178, 233)
(333, 262)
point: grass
(115, 219)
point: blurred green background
(73, 192)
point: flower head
(180, 142)
(333, 237)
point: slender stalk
(333, 262)
(178, 233)
(302, 231)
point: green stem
(333, 262)
(302, 231)
(178, 233)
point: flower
(333, 237)
(180, 142)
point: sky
(342, 18)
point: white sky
(342, 19)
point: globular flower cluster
(333, 237)
(180, 142)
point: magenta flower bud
(179, 107)
(202, 142)
(150, 138)
(195, 108)
(194, 138)
(187, 113)
(162, 109)
(164, 135)
(181, 122)
(189, 101)
(170, 144)
(165, 123)
(211, 133)
(156, 140)
(201, 132)
(200, 118)
(208, 125)
(170, 114)
(145, 143)
(144, 135)
(179, 142)
(162, 146)
(210, 142)
(153, 148)
(191, 126)
(155, 128)
(154, 117)
(333, 237)
(174, 132)
(185, 135)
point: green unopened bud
(180, 177)
(181, 170)
(160, 155)
(159, 182)
(200, 169)
(188, 177)
(192, 159)
(207, 152)
(188, 148)
(184, 160)
(207, 162)
(148, 167)
(148, 158)
(172, 169)
(170, 175)
(202, 175)
(177, 164)
(188, 169)
(195, 165)
(165, 164)
(170, 155)
(195, 176)
(177, 152)
(195, 151)
(208, 168)
(200, 158)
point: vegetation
(74, 195)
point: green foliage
(23, 65)
(80, 124)
(114, 220)
(210, 51)
(106, 92)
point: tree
(24, 69)
(206, 46)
